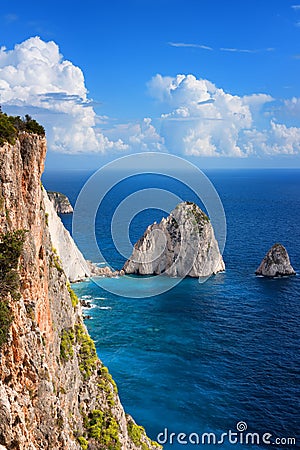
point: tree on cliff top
(8, 132)
(10, 126)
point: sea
(202, 364)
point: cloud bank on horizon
(207, 121)
(197, 117)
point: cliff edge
(54, 391)
(181, 245)
(74, 264)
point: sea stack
(60, 202)
(276, 263)
(181, 245)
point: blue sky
(216, 82)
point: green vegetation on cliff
(87, 351)
(6, 319)
(87, 355)
(73, 296)
(84, 444)
(104, 428)
(11, 245)
(136, 432)
(55, 261)
(10, 126)
(138, 435)
(66, 344)
(107, 384)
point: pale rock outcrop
(105, 271)
(181, 245)
(276, 263)
(60, 202)
(75, 266)
(73, 262)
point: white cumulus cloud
(293, 106)
(140, 136)
(34, 77)
(196, 117)
(278, 140)
(201, 119)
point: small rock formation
(181, 245)
(85, 304)
(96, 271)
(85, 317)
(276, 263)
(60, 202)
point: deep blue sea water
(202, 357)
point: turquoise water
(202, 357)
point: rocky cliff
(74, 264)
(181, 245)
(60, 202)
(54, 391)
(276, 263)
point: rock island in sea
(60, 202)
(276, 263)
(181, 245)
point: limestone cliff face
(276, 263)
(60, 202)
(75, 266)
(181, 245)
(54, 392)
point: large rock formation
(276, 263)
(181, 245)
(60, 202)
(54, 391)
